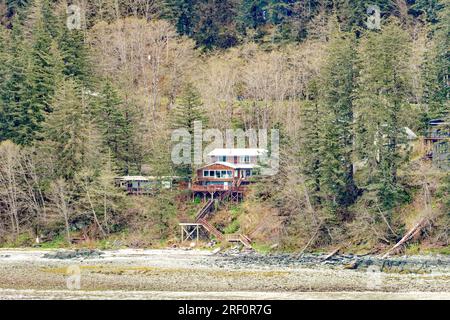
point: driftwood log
(408, 236)
(333, 253)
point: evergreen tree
(188, 110)
(185, 113)
(114, 126)
(17, 116)
(75, 56)
(45, 66)
(215, 26)
(34, 69)
(68, 129)
(430, 8)
(436, 69)
(13, 6)
(252, 14)
(4, 76)
(183, 14)
(309, 147)
(382, 92)
(336, 124)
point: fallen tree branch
(310, 241)
(408, 236)
(386, 221)
(333, 253)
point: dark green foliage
(75, 54)
(428, 8)
(17, 118)
(252, 14)
(215, 26)
(33, 64)
(45, 62)
(13, 6)
(115, 127)
(188, 109)
(183, 14)
(436, 69)
(309, 150)
(68, 128)
(184, 115)
(383, 89)
(336, 124)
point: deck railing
(214, 188)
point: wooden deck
(217, 188)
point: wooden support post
(190, 232)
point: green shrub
(233, 227)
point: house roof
(238, 152)
(438, 122)
(149, 178)
(133, 178)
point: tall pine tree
(436, 68)
(336, 124)
(115, 127)
(17, 117)
(68, 129)
(185, 113)
(383, 90)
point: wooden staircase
(239, 238)
(201, 219)
(205, 210)
(211, 229)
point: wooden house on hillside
(229, 170)
(225, 177)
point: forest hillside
(92, 90)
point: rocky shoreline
(412, 264)
(154, 274)
(235, 258)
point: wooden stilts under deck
(190, 231)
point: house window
(248, 173)
(217, 174)
(206, 173)
(229, 174)
(224, 173)
(223, 158)
(211, 173)
(246, 159)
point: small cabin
(145, 184)
(437, 142)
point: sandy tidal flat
(194, 274)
